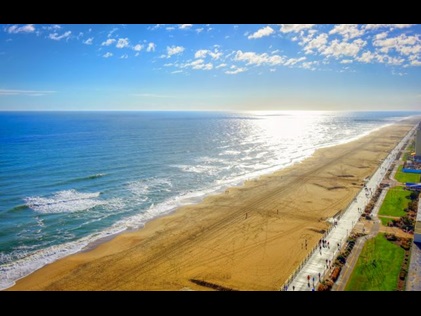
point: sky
(229, 67)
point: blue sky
(210, 67)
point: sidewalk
(320, 260)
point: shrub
(335, 274)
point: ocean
(69, 179)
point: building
(417, 229)
(418, 142)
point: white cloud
(266, 31)
(28, 28)
(185, 26)
(375, 26)
(317, 43)
(346, 61)
(107, 55)
(391, 26)
(221, 66)
(112, 32)
(215, 54)
(138, 47)
(401, 26)
(124, 56)
(52, 27)
(293, 61)
(253, 58)
(24, 92)
(337, 48)
(366, 57)
(287, 28)
(402, 44)
(108, 42)
(235, 71)
(176, 71)
(199, 64)
(174, 50)
(156, 26)
(416, 63)
(151, 47)
(309, 65)
(198, 30)
(56, 37)
(170, 28)
(201, 53)
(88, 41)
(348, 31)
(122, 42)
(381, 35)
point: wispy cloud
(28, 28)
(199, 64)
(185, 26)
(174, 50)
(35, 93)
(293, 61)
(112, 32)
(151, 47)
(202, 53)
(287, 28)
(88, 41)
(337, 48)
(252, 58)
(138, 47)
(155, 27)
(266, 31)
(108, 42)
(348, 31)
(54, 27)
(56, 37)
(122, 42)
(107, 55)
(235, 71)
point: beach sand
(250, 237)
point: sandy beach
(250, 237)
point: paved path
(318, 260)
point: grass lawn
(406, 177)
(395, 202)
(378, 266)
(385, 220)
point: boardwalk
(320, 260)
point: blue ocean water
(68, 179)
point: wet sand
(248, 238)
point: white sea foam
(142, 187)
(64, 201)
(209, 169)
